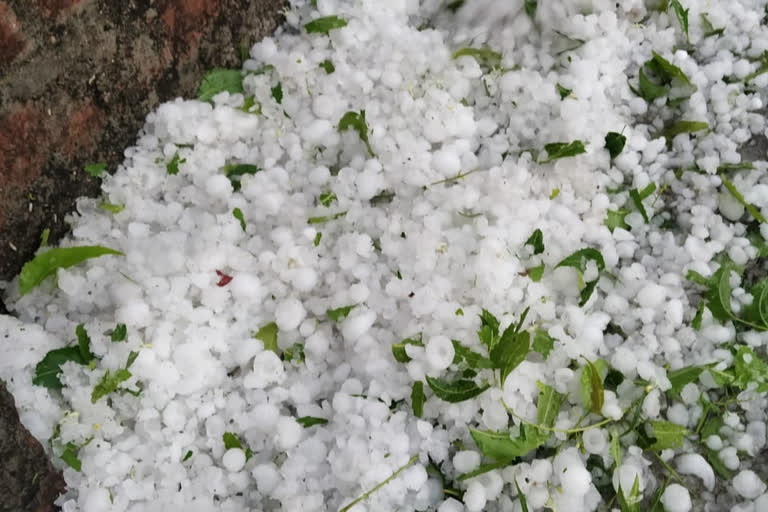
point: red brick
(11, 43)
(22, 139)
(81, 129)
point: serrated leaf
(357, 122)
(310, 421)
(235, 173)
(591, 385)
(511, 350)
(455, 391)
(325, 25)
(536, 241)
(220, 80)
(398, 349)
(339, 314)
(614, 143)
(543, 343)
(473, 359)
(268, 335)
(48, 370)
(667, 435)
(557, 150)
(489, 329)
(119, 333)
(109, 384)
(47, 263)
(548, 406)
(499, 446)
(417, 398)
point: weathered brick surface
(77, 79)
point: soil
(77, 78)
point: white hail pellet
(676, 499)
(233, 459)
(439, 352)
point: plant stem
(382, 484)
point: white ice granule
(439, 352)
(466, 461)
(267, 369)
(676, 499)
(233, 459)
(289, 314)
(695, 464)
(748, 484)
(474, 497)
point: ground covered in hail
(424, 256)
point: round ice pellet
(440, 352)
(233, 459)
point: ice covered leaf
(418, 398)
(752, 209)
(84, 344)
(616, 219)
(757, 312)
(500, 446)
(536, 241)
(657, 76)
(637, 197)
(47, 263)
(48, 370)
(119, 333)
(398, 349)
(675, 129)
(339, 314)
(556, 150)
(455, 391)
(487, 58)
(357, 122)
(614, 143)
(472, 358)
(235, 173)
(579, 260)
(709, 29)
(220, 80)
(536, 273)
(749, 368)
(109, 384)
(679, 378)
(667, 435)
(511, 350)
(591, 385)
(172, 167)
(310, 421)
(231, 440)
(548, 406)
(682, 16)
(268, 335)
(543, 342)
(489, 329)
(325, 24)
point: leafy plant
(325, 25)
(455, 391)
(485, 57)
(235, 173)
(562, 91)
(614, 143)
(557, 150)
(231, 440)
(356, 121)
(398, 349)
(339, 314)
(220, 80)
(96, 169)
(328, 66)
(579, 260)
(268, 335)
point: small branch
(382, 484)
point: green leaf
(232, 441)
(667, 434)
(322, 219)
(666, 71)
(680, 378)
(615, 219)
(325, 25)
(536, 240)
(277, 93)
(111, 208)
(328, 66)
(220, 80)
(543, 343)
(591, 385)
(749, 368)
(630, 503)
(637, 197)
(511, 350)
(119, 333)
(398, 349)
(489, 329)
(172, 167)
(96, 169)
(473, 359)
(707, 27)
(548, 406)
(530, 7)
(268, 335)
(757, 312)
(648, 90)
(385, 197)
(615, 448)
(187, 456)
(309, 421)
(556, 150)
(614, 143)
(294, 353)
(578, 260)
(131, 358)
(109, 384)
(357, 122)
(717, 464)
(235, 173)
(48, 370)
(318, 237)
(499, 446)
(238, 214)
(487, 58)
(69, 456)
(44, 264)
(417, 398)
(536, 273)
(455, 391)
(682, 16)
(679, 127)
(326, 198)
(753, 210)
(657, 76)
(562, 91)
(339, 314)
(84, 344)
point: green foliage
(119, 333)
(277, 93)
(543, 343)
(578, 260)
(614, 143)
(48, 370)
(616, 219)
(591, 385)
(485, 57)
(682, 16)
(325, 25)
(96, 169)
(172, 167)
(111, 208)
(268, 335)
(417, 398)
(557, 150)
(473, 359)
(238, 214)
(536, 241)
(310, 421)
(657, 77)
(70, 456)
(231, 440)
(455, 391)
(235, 173)
(220, 80)
(398, 349)
(328, 66)
(637, 197)
(679, 378)
(356, 121)
(109, 384)
(339, 314)
(322, 219)
(44, 264)
(753, 210)
(536, 273)
(530, 7)
(678, 127)
(562, 91)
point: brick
(11, 42)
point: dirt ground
(77, 78)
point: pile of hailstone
(424, 256)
